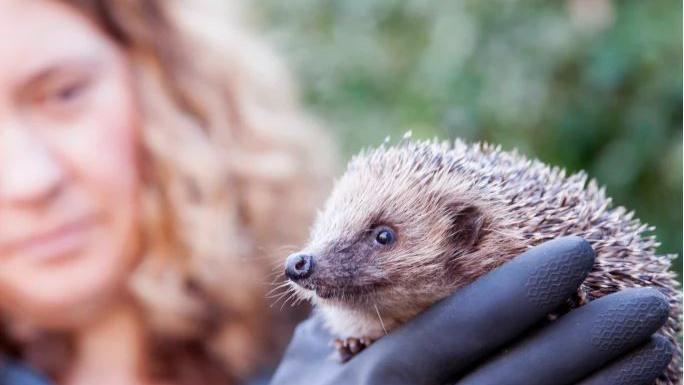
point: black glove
(488, 333)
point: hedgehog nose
(299, 266)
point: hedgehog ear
(467, 223)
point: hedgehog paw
(349, 347)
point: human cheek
(100, 145)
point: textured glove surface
(463, 339)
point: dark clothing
(14, 373)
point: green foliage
(597, 87)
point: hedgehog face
(386, 237)
(346, 266)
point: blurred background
(584, 84)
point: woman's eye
(67, 93)
(60, 96)
(385, 237)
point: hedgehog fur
(461, 210)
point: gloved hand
(488, 333)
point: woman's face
(68, 175)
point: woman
(152, 161)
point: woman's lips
(56, 243)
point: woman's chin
(65, 313)
(59, 300)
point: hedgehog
(408, 224)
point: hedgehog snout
(299, 266)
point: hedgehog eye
(385, 236)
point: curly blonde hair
(232, 172)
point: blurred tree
(585, 84)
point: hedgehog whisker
(276, 290)
(282, 284)
(279, 296)
(377, 311)
(291, 296)
(279, 300)
(289, 291)
(297, 302)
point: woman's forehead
(44, 35)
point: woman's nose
(29, 172)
